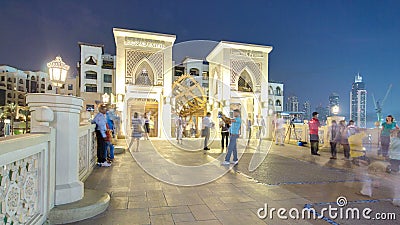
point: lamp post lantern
(58, 72)
(106, 98)
(335, 110)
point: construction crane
(379, 104)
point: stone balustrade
(87, 150)
(34, 179)
(27, 178)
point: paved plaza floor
(289, 178)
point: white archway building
(144, 77)
(239, 79)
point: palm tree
(25, 112)
(11, 111)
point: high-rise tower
(358, 102)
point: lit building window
(91, 88)
(108, 90)
(107, 78)
(91, 75)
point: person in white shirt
(279, 130)
(260, 123)
(206, 125)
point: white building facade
(275, 97)
(96, 74)
(144, 77)
(15, 84)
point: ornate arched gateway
(144, 78)
(239, 75)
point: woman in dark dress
(146, 127)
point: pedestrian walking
(224, 134)
(146, 127)
(387, 128)
(313, 126)
(334, 138)
(137, 130)
(249, 129)
(207, 124)
(234, 130)
(101, 128)
(279, 130)
(346, 132)
(179, 129)
(261, 126)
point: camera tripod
(289, 132)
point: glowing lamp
(58, 71)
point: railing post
(66, 121)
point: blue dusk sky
(319, 46)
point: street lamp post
(58, 72)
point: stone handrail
(87, 150)
(27, 178)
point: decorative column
(66, 121)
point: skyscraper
(334, 100)
(358, 102)
(307, 110)
(292, 104)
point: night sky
(319, 46)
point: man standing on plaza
(101, 128)
(279, 131)
(236, 123)
(206, 125)
(314, 125)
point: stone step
(93, 203)
(119, 149)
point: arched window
(278, 103)
(143, 78)
(270, 102)
(144, 74)
(49, 88)
(278, 91)
(271, 90)
(244, 82)
(91, 60)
